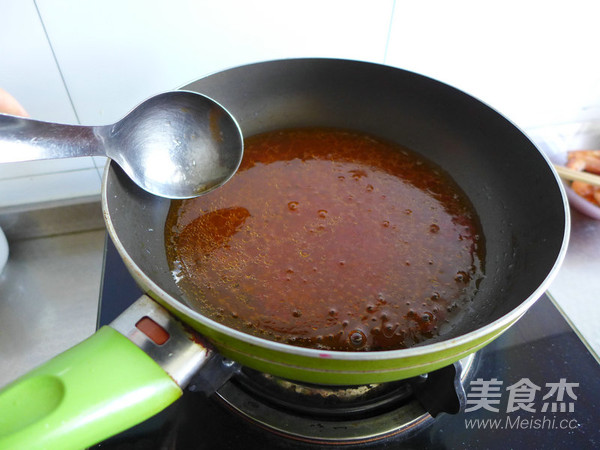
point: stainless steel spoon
(178, 144)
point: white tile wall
(92, 61)
(28, 70)
(98, 59)
(119, 59)
(27, 67)
(535, 61)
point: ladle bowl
(177, 144)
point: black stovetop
(540, 351)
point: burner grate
(345, 414)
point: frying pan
(519, 198)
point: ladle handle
(23, 139)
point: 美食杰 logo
(527, 404)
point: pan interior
(509, 182)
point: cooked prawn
(588, 161)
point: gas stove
(535, 386)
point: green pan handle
(92, 391)
(100, 387)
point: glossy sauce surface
(329, 239)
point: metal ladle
(177, 144)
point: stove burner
(346, 414)
(540, 350)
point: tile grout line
(389, 34)
(43, 174)
(62, 77)
(56, 62)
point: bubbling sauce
(329, 239)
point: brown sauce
(329, 239)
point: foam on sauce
(329, 239)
